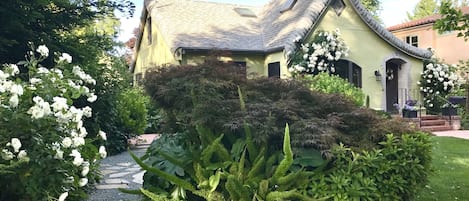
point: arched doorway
(393, 77)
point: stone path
(121, 171)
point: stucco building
(262, 40)
(420, 33)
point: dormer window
(288, 5)
(245, 12)
(338, 6)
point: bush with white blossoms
(45, 154)
(319, 54)
(436, 82)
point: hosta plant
(45, 154)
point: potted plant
(410, 109)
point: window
(242, 67)
(274, 70)
(138, 78)
(149, 32)
(288, 5)
(245, 12)
(412, 40)
(338, 6)
(349, 71)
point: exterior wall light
(377, 75)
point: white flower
(35, 81)
(59, 104)
(83, 182)
(102, 151)
(59, 154)
(87, 111)
(63, 196)
(65, 57)
(14, 69)
(43, 50)
(77, 161)
(430, 105)
(14, 100)
(16, 89)
(67, 142)
(16, 144)
(78, 141)
(42, 70)
(85, 171)
(102, 134)
(3, 75)
(7, 155)
(92, 98)
(22, 155)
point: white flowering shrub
(45, 154)
(319, 54)
(436, 82)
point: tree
(423, 9)
(374, 6)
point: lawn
(450, 179)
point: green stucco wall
(155, 54)
(370, 52)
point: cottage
(261, 39)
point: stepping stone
(124, 164)
(136, 166)
(110, 186)
(120, 174)
(106, 172)
(105, 165)
(116, 181)
(138, 178)
(115, 168)
(133, 169)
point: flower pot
(409, 113)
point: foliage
(453, 19)
(424, 8)
(42, 133)
(373, 6)
(207, 95)
(132, 109)
(436, 82)
(71, 26)
(319, 54)
(215, 173)
(395, 171)
(450, 172)
(332, 84)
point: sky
(393, 12)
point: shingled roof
(193, 24)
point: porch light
(377, 75)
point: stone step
(430, 117)
(439, 122)
(436, 128)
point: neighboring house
(447, 46)
(262, 39)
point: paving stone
(138, 178)
(116, 181)
(136, 166)
(120, 174)
(106, 172)
(105, 165)
(133, 169)
(110, 186)
(115, 168)
(124, 164)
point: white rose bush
(320, 54)
(436, 82)
(44, 149)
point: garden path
(454, 133)
(121, 171)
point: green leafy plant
(132, 109)
(324, 82)
(42, 132)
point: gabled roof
(423, 21)
(193, 24)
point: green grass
(450, 179)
